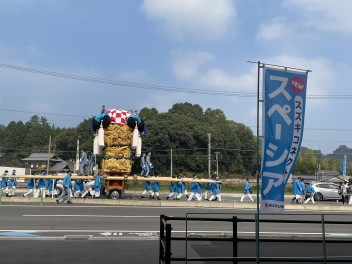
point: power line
(127, 84)
(164, 88)
(40, 113)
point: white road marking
(121, 206)
(98, 216)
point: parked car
(326, 191)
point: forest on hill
(180, 135)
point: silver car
(326, 191)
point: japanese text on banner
(283, 110)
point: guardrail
(167, 238)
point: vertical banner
(284, 94)
(344, 163)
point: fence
(312, 244)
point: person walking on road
(66, 194)
(12, 184)
(343, 192)
(147, 188)
(199, 191)
(78, 188)
(247, 191)
(172, 195)
(297, 190)
(156, 188)
(97, 184)
(194, 190)
(184, 188)
(40, 192)
(208, 188)
(30, 187)
(310, 194)
(179, 188)
(303, 191)
(216, 189)
(4, 181)
(88, 189)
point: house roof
(328, 176)
(333, 179)
(328, 173)
(41, 157)
(60, 166)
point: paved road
(126, 219)
(96, 234)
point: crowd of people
(178, 188)
(304, 192)
(8, 185)
(87, 163)
(80, 188)
(63, 190)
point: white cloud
(195, 19)
(163, 102)
(321, 81)
(191, 66)
(326, 15)
(35, 93)
(274, 30)
(218, 78)
(186, 64)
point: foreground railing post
(168, 244)
(234, 239)
(161, 238)
(323, 234)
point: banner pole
(257, 239)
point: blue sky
(194, 44)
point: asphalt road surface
(119, 234)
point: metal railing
(167, 238)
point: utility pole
(171, 163)
(77, 156)
(47, 167)
(217, 163)
(1, 154)
(209, 156)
